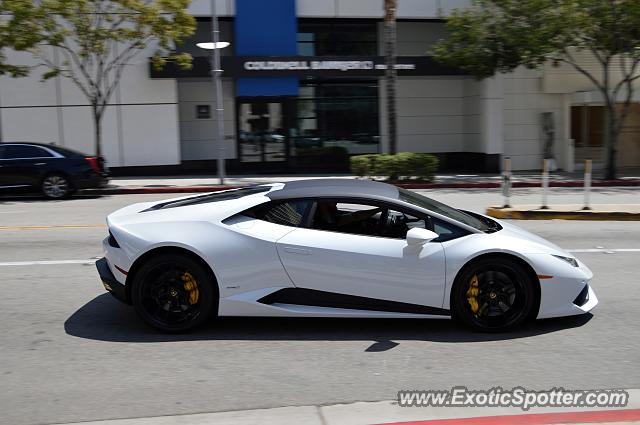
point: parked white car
(333, 248)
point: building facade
(303, 84)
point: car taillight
(93, 162)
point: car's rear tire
(56, 186)
(493, 295)
(173, 293)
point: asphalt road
(69, 352)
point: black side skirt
(312, 297)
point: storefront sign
(332, 65)
(303, 66)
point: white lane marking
(46, 263)
(607, 250)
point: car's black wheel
(493, 295)
(173, 293)
(56, 186)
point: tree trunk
(610, 141)
(391, 73)
(97, 127)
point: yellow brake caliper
(191, 286)
(472, 294)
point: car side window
(25, 152)
(289, 213)
(446, 231)
(364, 219)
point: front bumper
(110, 283)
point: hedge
(404, 165)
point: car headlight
(569, 260)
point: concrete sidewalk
(388, 412)
(184, 184)
(617, 212)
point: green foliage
(422, 166)
(500, 35)
(361, 165)
(18, 31)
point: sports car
(333, 248)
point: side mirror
(418, 236)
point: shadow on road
(106, 319)
(31, 198)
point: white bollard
(506, 182)
(587, 184)
(545, 183)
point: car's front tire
(173, 293)
(493, 294)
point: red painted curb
(598, 416)
(479, 185)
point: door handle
(299, 251)
(40, 163)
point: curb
(603, 416)
(119, 190)
(515, 214)
(495, 185)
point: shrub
(405, 164)
(387, 166)
(363, 165)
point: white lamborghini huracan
(333, 248)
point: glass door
(261, 131)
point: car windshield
(440, 208)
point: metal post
(545, 183)
(506, 182)
(218, 104)
(587, 184)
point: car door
(350, 262)
(23, 165)
(4, 176)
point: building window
(343, 114)
(337, 38)
(203, 112)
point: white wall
(407, 9)
(197, 136)
(203, 7)
(431, 114)
(142, 117)
(524, 102)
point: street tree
(91, 42)
(18, 31)
(500, 35)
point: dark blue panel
(267, 86)
(266, 28)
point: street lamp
(212, 46)
(216, 70)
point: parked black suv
(55, 171)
